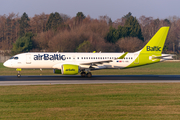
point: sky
(115, 9)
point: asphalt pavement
(95, 79)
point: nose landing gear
(19, 70)
(18, 75)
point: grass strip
(95, 101)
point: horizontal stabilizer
(165, 57)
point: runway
(96, 79)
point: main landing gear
(84, 74)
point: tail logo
(155, 48)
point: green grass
(97, 101)
(162, 68)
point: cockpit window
(15, 58)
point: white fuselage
(55, 60)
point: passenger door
(136, 57)
(28, 58)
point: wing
(95, 63)
(91, 64)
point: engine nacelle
(68, 69)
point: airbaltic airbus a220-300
(74, 63)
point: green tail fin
(152, 50)
(156, 44)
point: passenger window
(81, 57)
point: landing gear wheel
(18, 75)
(89, 74)
(83, 74)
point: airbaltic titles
(155, 48)
(49, 57)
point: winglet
(122, 56)
(94, 51)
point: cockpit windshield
(15, 58)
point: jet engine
(68, 69)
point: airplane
(73, 63)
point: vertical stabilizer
(151, 52)
(156, 44)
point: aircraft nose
(7, 64)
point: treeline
(59, 32)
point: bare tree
(42, 39)
(130, 44)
